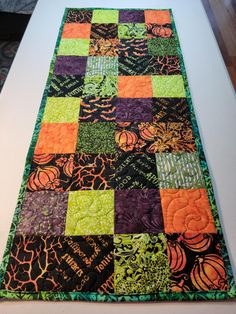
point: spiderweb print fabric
(116, 202)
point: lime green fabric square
(132, 30)
(73, 47)
(61, 109)
(105, 16)
(168, 86)
(100, 86)
(90, 213)
(141, 264)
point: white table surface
(215, 106)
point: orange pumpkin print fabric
(116, 202)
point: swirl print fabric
(116, 202)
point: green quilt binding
(94, 296)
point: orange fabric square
(186, 211)
(57, 138)
(76, 30)
(134, 86)
(157, 17)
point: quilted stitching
(116, 202)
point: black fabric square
(66, 263)
(133, 47)
(106, 31)
(51, 172)
(134, 65)
(171, 110)
(155, 30)
(196, 262)
(149, 65)
(66, 86)
(135, 171)
(93, 172)
(79, 16)
(97, 109)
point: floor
(221, 14)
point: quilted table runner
(116, 203)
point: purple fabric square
(134, 109)
(138, 211)
(131, 16)
(43, 213)
(70, 65)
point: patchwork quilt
(116, 202)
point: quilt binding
(95, 296)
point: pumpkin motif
(44, 178)
(209, 273)
(179, 286)
(126, 140)
(42, 159)
(69, 166)
(164, 32)
(149, 27)
(176, 256)
(196, 242)
(147, 131)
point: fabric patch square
(93, 172)
(159, 31)
(61, 109)
(96, 109)
(60, 264)
(160, 17)
(133, 47)
(129, 137)
(79, 16)
(135, 171)
(104, 47)
(179, 171)
(162, 46)
(187, 211)
(139, 271)
(66, 86)
(96, 138)
(132, 30)
(90, 213)
(97, 66)
(104, 31)
(171, 110)
(168, 86)
(105, 16)
(43, 213)
(51, 172)
(196, 262)
(73, 47)
(138, 211)
(134, 109)
(164, 65)
(131, 16)
(100, 86)
(169, 137)
(134, 66)
(57, 138)
(149, 65)
(127, 86)
(154, 137)
(76, 30)
(67, 65)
